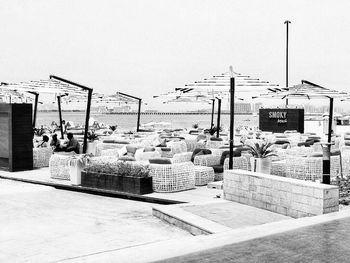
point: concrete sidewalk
(43, 224)
(324, 242)
(290, 236)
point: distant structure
(125, 108)
(99, 109)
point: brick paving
(234, 215)
(325, 242)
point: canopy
(55, 85)
(306, 89)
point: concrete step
(215, 185)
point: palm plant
(261, 149)
(91, 136)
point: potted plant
(261, 152)
(214, 129)
(195, 126)
(92, 143)
(76, 165)
(130, 177)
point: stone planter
(75, 174)
(128, 184)
(261, 165)
(91, 147)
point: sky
(145, 48)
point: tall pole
(138, 117)
(88, 106)
(287, 22)
(212, 114)
(232, 121)
(60, 114)
(35, 108)
(326, 163)
(330, 120)
(218, 120)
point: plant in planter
(261, 152)
(113, 127)
(214, 129)
(120, 176)
(91, 145)
(92, 136)
(76, 164)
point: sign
(281, 116)
(281, 120)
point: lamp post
(287, 22)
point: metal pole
(232, 116)
(218, 119)
(330, 120)
(87, 120)
(138, 117)
(35, 108)
(326, 178)
(212, 114)
(287, 40)
(60, 114)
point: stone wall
(286, 196)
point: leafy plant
(113, 127)
(80, 160)
(261, 149)
(91, 136)
(214, 129)
(195, 126)
(119, 168)
(41, 131)
(132, 169)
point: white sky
(144, 48)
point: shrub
(119, 168)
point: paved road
(326, 242)
(43, 224)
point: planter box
(261, 165)
(134, 185)
(75, 174)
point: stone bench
(286, 196)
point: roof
(306, 89)
(217, 86)
(54, 85)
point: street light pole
(287, 22)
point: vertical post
(326, 163)
(138, 117)
(212, 114)
(232, 116)
(330, 122)
(218, 119)
(287, 45)
(87, 120)
(60, 114)
(35, 108)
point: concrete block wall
(286, 196)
